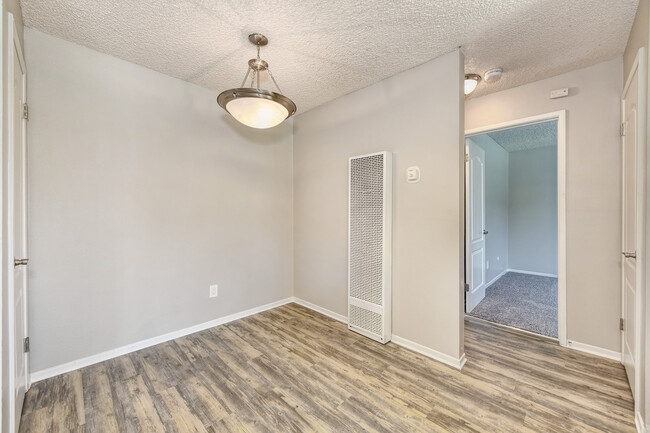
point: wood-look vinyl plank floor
(294, 370)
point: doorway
(515, 224)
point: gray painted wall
(398, 115)
(143, 192)
(593, 187)
(496, 205)
(532, 211)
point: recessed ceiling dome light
(253, 106)
(471, 81)
(493, 75)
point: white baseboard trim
(456, 363)
(113, 353)
(493, 280)
(408, 344)
(594, 350)
(541, 274)
(325, 311)
(640, 425)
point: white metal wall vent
(369, 245)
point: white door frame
(639, 64)
(14, 44)
(560, 116)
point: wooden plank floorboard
(294, 370)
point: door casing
(560, 116)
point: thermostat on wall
(559, 93)
(413, 174)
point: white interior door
(475, 193)
(17, 231)
(632, 176)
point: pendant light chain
(256, 75)
(243, 83)
(274, 82)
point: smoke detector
(493, 75)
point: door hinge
(25, 111)
(26, 344)
(622, 324)
(467, 287)
(466, 157)
(623, 129)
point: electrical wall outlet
(214, 290)
(487, 264)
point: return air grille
(369, 276)
(366, 319)
(366, 228)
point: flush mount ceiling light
(253, 106)
(471, 81)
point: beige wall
(143, 192)
(417, 115)
(12, 6)
(638, 37)
(593, 187)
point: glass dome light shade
(257, 108)
(471, 81)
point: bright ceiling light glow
(257, 112)
(471, 81)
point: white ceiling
(320, 50)
(527, 137)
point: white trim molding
(560, 116)
(324, 311)
(594, 350)
(640, 425)
(494, 280)
(456, 363)
(67, 367)
(541, 274)
(133, 347)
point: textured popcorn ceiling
(527, 137)
(320, 50)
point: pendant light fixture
(253, 106)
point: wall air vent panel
(369, 244)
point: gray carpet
(524, 301)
